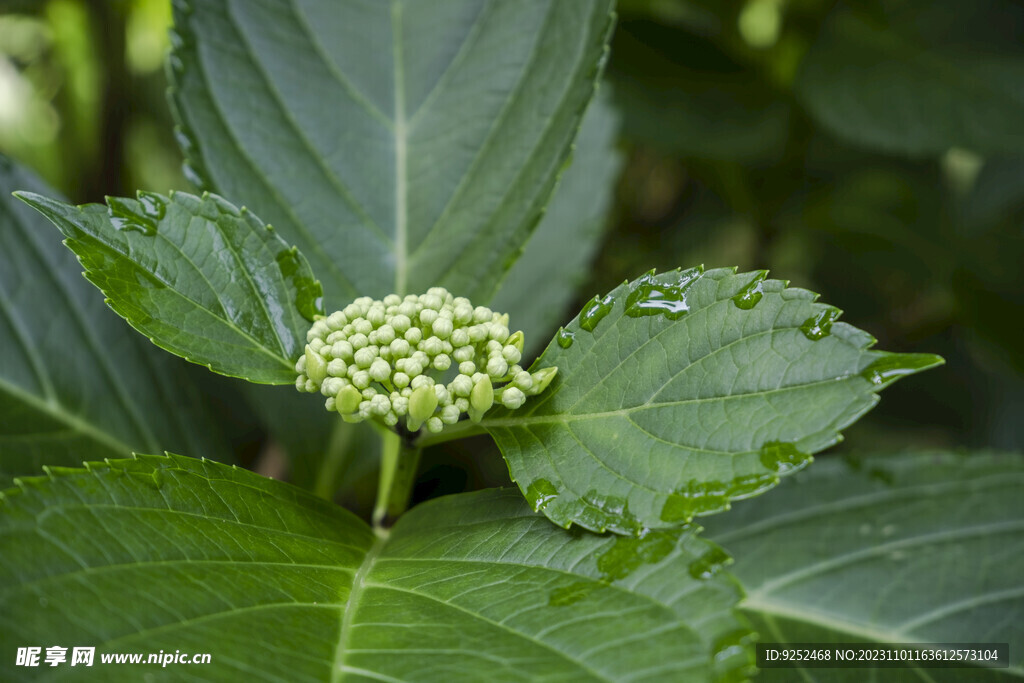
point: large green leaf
(401, 144)
(922, 547)
(199, 277)
(75, 382)
(177, 554)
(678, 392)
(563, 245)
(922, 78)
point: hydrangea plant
(401, 147)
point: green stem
(398, 464)
(339, 452)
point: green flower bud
(442, 362)
(434, 425)
(316, 366)
(481, 399)
(400, 405)
(467, 368)
(431, 302)
(401, 380)
(337, 368)
(463, 313)
(385, 334)
(336, 320)
(400, 348)
(380, 370)
(442, 328)
(414, 335)
(431, 346)
(348, 400)
(542, 378)
(408, 309)
(517, 340)
(511, 354)
(421, 406)
(450, 414)
(316, 345)
(343, 350)
(331, 404)
(482, 314)
(461, 386)
(390, 418)
(380, 405)
(522, 380)
(358, 341)
(401, 323)
(499, 332)
(361, 379)
(478, 333)
(462, 404)
(375, 316)
(497, 367)
(332, 385)
(365, 356)
(464, 353)
(512, 398)
(362, 326)
(421, 381)
(459, 337)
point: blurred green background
(871, 151)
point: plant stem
(398, 464)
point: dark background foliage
(871, 151)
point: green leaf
(401, 145)
(202, 279)
(678, 392)
(75, 382)
(918, 547)
(562, 247)
(178, 554)
(920, 79)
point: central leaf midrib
(562, 418)
(401, 149)
(352, 604)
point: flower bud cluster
(423, 359)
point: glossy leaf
(178, 554)
(921, 547)
(920, 79)
(560, 250)
(75, 382)
(679, 392)
(202, 279)
(401, 145)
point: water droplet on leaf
(565, 338)
(695, 498)
(752, 293)
(709, 564)
(651, 295)
(595, 311)
(783, 458)
(891, 366)
(819, 325)
(540, 493)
